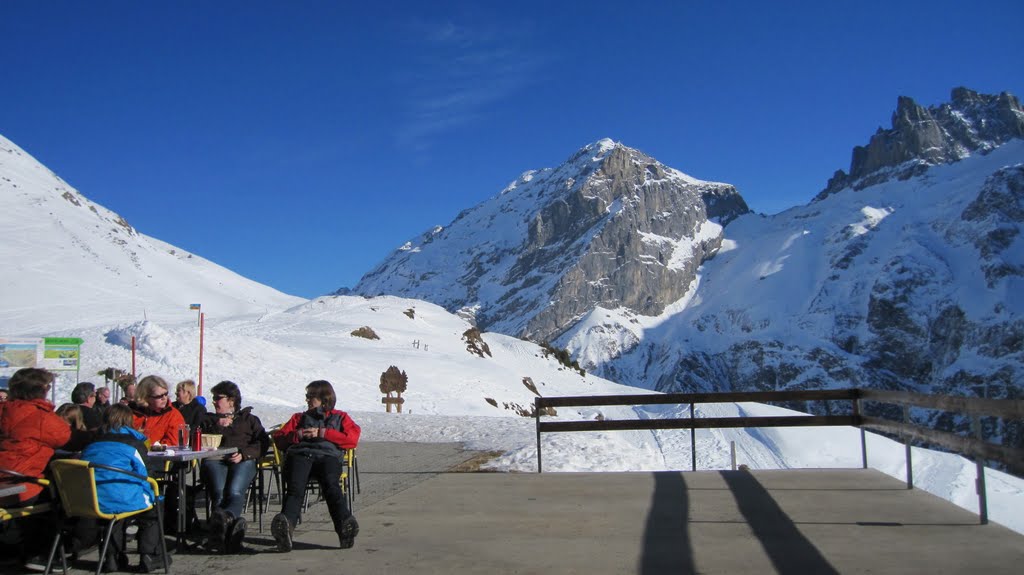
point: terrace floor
(417, 516)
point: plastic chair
(22, 511)
(271, 462)
(76, 484)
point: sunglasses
(158, 396)
(312, 396)
(219, 397)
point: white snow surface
(73, 271)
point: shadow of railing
(667, 547)
(789, 550)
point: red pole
(202, 318)
(133, 356)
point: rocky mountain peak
(611, 227)
(922, 137)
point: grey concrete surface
(417, 518)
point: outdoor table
(181, 457)
(15, 489)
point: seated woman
(80, 436)
(29, 433)
(153, 413)
(119, 445)
(191, 409)
(314, 443)
(227, 479)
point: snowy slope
(898, 285)
(85, 262)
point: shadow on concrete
(785, 545)
(667, 547)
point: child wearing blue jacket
(121, 446)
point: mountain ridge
(610, 224)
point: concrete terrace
(417, 516)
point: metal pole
(979, 483)
(693, 442)
(732, 449)
(863, 435)
(202, 321)
(910, 464)
(536, 414)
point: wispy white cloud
(458, 73)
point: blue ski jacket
(123, 448)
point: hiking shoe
(149, 563)
(282, 529)
(347, 535)
(37, 563)
(115, 562)
(235, 535)
(220, 522)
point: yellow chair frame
(75, 480)
(20, 512)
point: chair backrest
(76, 484)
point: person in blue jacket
(120, 445)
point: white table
(180, 458)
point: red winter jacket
(340, 429)
(29, 432)
(158, 426)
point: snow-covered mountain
(62, 249)
(78, 277)
(909, 283)
(904, 274)
(610, 227)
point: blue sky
(299, 142)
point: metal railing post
(910, 463)
(979, 483)
(863, 434)
(536, 415)
(693, 441)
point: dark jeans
(326, 469)
(148, 535)
(226, 483)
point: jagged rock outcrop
(611, 227)
(920, 137)
(906, 285)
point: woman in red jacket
(154, 415)
(314, 443)
(29, 429)
(29, 433)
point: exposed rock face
(902, 285)
(920, 137)
(611, 227)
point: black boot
(149, 563)
(235, 536)
(348, 532)
(282, 530)
(220, 522)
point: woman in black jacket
(188, 404)
(228, 479)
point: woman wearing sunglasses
(314, 443)
(154, 415)
(227, 479)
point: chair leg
(106, 545)
(163, 539)
(276, 470)
(57, 540)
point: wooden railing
(973, 447)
